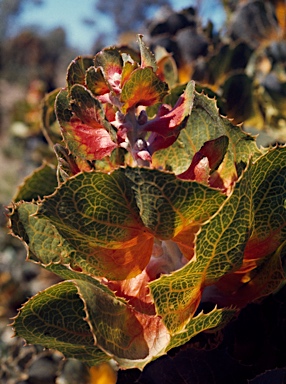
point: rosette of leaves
(158, 205)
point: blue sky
(70, 13)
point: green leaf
(77, 69)
(206, 124)
(147, 57)
(168, 205)
(167, 67)
(142, 88)
(54, 318)
(104, 224)
(97, 215)
(42, 182)
(269, 196)
(216, 319)
(82, 321)
(96, 82)
(264, 280)
(46, 246)
(50, 124)
(219, 250)
(119, 329)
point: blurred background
(234, 48)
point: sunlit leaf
(147, 57)
(142, 88)
(41, 321)
(167, 205)
(217, 319)
(111, 63)
(207, 160)
(85, 131)
(203, 125)
(219, 250)
(96, 82)
(76, 70)
(50, 126)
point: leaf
(67, 165)
(147, 57)
(95, 225)
(128, 68)
(206, 124)
(76, 70)
(167, 68)
(85, 131)
(261, 272)
(219, 250)
(168, 122)
(269, 196)
(211, 154)
(97, 215)
(142, 88)
(260, 282)
(96, 82)
(111, 63)
(120, 330)
(50, 125)
(82, 320)
(216, 319)
(40, 183)
(55, 318)
(168, 205)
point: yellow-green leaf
(40, 183)
(54, 318)
(219, 250)
(142, 88)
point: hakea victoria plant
(157, 205)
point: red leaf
(93, 141)
(207, 160)
(167, 121)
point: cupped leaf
(54, 318)
(168, 205)
(121, 331)
(77, 69)
(147, 57)
(97, 214)
(207, 160)
(85, 130)
(269, 196)
(50, 125)
(142, 88)
(219, 249)
(45, 246)
(262, 270)
(168, 122)
(206, 124)
(111, 63)
(215, 320)
(96, 82)
(40, 183)
(85, 322)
